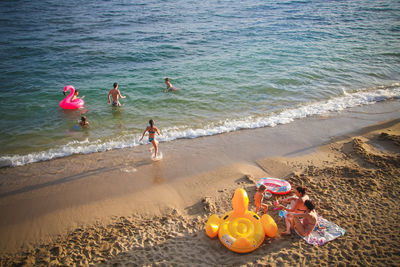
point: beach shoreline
(120, 207)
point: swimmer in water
(75, 96)
(83, 123)
(170, 88)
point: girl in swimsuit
(258, 199)
(306, 226)
(152, 131)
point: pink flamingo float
(67, 103)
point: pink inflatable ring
(67, 103)
(275, 185)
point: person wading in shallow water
(152, 133)
(116, 94)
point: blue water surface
(236, 64)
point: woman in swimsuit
(152, 132)
(296, 205)
(306, 226)
(296, 202)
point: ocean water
(237, 64)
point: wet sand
(120, 207)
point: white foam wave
(347, 100)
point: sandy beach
(121, 208)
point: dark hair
(115, 85)
(309, 204)
(301, 190)
(76, 91)
(151, 122)
(83, 118)
(167, 79)
(262, 188)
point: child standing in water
(258, 199)
(152, 133)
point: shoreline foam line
(336, 104)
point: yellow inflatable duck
(241, 230)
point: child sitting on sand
(259, 197)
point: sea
(237, 65)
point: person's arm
(121, 96)
(109, 100)
(292, 209)
(158, 131)
(168, 87)
(143, 134)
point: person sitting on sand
(296, 204)
(83, 123)
(259, 197)
(152, 131)
(169, 86)
(303, 223)
(116, 94)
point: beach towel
(328, 231)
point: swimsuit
(116, 103)
(152, 132)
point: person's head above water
(151, 122)
(115, 85)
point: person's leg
(155, 144)
(257, 208)
(265, 208)
(288, 221)
(299, 226)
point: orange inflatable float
(241, 230)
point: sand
(134, 211)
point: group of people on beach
(114, 94)
(300, 214)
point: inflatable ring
(275, 185)
(241, 230)
(67, 103)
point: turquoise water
(237, 65)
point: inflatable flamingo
(67, 103)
